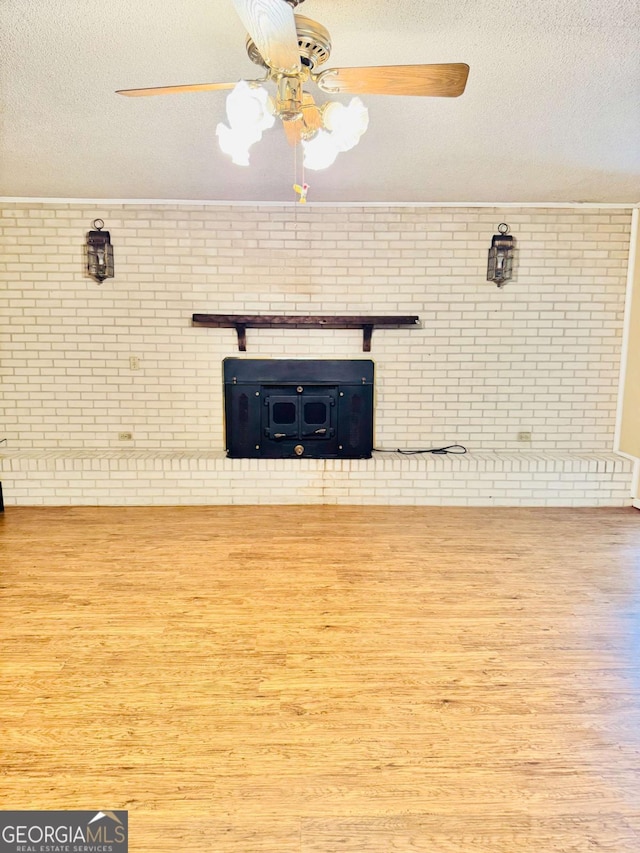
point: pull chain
(302, 187)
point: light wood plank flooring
(320, 679)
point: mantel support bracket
(241, 331)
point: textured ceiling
(551, 112)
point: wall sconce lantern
(500, 266)
(99, 252)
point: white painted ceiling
(551, 112)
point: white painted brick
(489, 479)
(539, 355)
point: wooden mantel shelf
(241, 322)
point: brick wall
(540, 355)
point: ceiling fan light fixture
(342, 129)
(250, 111)
(291, 48)
(346, 123)
(250, 107)
(321, 151)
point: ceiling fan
(291, 48)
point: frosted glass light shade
(250, 107)
(321, 151)
(346, 123)
(250, 112)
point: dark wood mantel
(241, 322)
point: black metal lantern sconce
(500, 265)
(99, 252)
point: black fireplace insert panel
(287, 408)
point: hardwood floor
(320, 679)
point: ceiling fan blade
(174, 90)
(311, 117)
(293, 131)
(444, 81)
(272, 26)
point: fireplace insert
(287, 408)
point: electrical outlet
(125, 436)
(524, 436)
(134, 362)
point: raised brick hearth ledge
(146, 477)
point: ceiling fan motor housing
(314, 42)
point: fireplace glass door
(299, 412)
